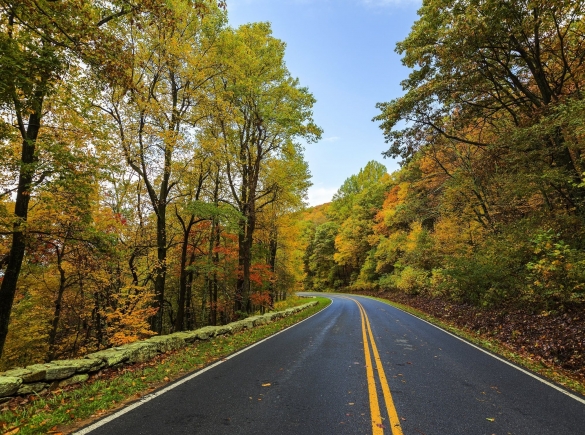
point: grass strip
(554, 374)
(63, 411)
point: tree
(494, 75)
(156, 109)
(343, 200)
(352, 243)
(43, 44)
(261, 110)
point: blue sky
(343, 51)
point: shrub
(557, 273)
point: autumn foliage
(488, 207)
(149, 166)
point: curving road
(357, 367)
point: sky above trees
(343, 50)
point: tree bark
(161, 268)
(58, 306)
(272, 249)
(180, 319)
(18, 245)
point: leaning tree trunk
(17, 247)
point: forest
(487, 212)
(152, 176)
(150, 165)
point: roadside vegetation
(484, 223)
(62, 411)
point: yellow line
(374, 405)
(392, 414)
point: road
(319, 377)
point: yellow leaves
(128, 322)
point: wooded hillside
(489, 203)
(488, 208)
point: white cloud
(321, 195)
(331, 139)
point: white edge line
(550, 384)
(154, 395)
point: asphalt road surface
(357, 367)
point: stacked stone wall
(37, 378)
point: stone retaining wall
(57, 374)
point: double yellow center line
(377, 420)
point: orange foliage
(260, 299)
(260, 274)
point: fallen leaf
(166, 379)
(490, 419)
(13, 431)
(351, 403)
(266, 385)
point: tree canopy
(150, 166)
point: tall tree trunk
(273, 247)
(241, 284)
(17, 248)
(161, 268)
(190, 319)
(562, 157)
(183, 281)
(58, 307)
(212, 313)
(97, 318)
(216, 265)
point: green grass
(494, 346)
(60, 411)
